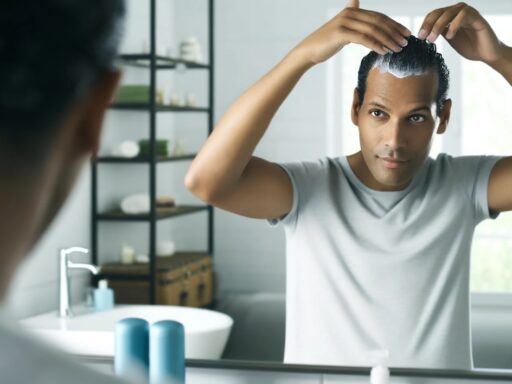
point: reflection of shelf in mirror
(118, 276)
(162, 62)
(144, 159)
(158, 108)
(161, 213)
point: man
(57, 77)
(378, 242)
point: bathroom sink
(92, 333)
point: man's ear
(95, 104)
(444, 118)
(354, 114)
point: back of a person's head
(51, 52)
(416, 58)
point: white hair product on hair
(383, 64)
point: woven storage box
(182, 279)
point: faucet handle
(64, 252)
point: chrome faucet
(64, 266)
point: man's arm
(225, 173)
(472, 36)
(500, 183)
(504, 64)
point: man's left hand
(466, 31)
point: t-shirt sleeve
(475, 172)
(301, 174)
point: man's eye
(417, 118)
(376, 113)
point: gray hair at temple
(417, 58)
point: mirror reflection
(306, 183)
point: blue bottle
(167, 353)
(103, 297)
(131, 351)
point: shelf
(158, 108)
(126, 277)
(143, 159)
(162, 62)
(145, 103)
(162, 265)
(161, 213)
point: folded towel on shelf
(126, 148)
(139, 203)
(135, 204)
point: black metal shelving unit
(153, 63)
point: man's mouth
(391, 163)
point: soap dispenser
(103, 297)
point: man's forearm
(504, 64)
(226, 153)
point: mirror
(254, 276)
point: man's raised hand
(374, 30)
(466, 31)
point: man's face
(396, 123)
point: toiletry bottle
(131, 349)
(103, 296)
(167, 352)
(380, 372)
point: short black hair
(52, 51)
(418, 56)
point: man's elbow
(197, 188)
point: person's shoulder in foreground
(24, 360)
(57, 77)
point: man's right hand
(225, 173)
(374, 30)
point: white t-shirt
(24, 360)
(371, 270)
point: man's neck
(19, 208)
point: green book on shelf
(161, 147)
(132, 94)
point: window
(481, 123)
(487, 122)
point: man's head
(400, 100)
(57, 76)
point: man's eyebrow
(420, 108)
(424, 107)
(375, 104)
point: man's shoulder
(461, 162)
(310, 167)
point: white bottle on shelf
(380, 371)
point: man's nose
(395, 135)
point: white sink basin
(92, 333)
